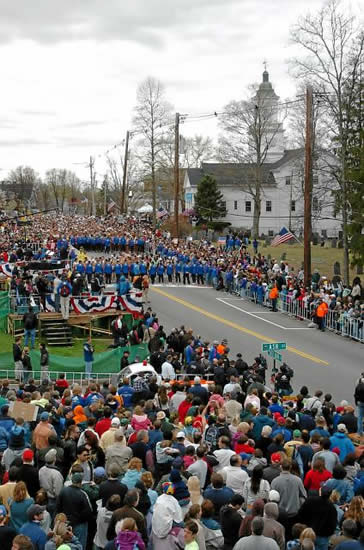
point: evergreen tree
(209, 203)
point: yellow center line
(231, 324)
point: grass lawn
(322, 258)
(100, 345)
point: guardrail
(80, 378)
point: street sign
(275, 355)
(274, 346)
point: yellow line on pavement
(235, 325)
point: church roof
(229, 174)
(240, 174)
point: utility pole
(92, 183)
(105, 194)
(290, 202)
(176, 173)
(308, 187)
(125, 172)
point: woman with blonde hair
(355, 511)
(308, 533)
(148, 480)
(19, 505)
(133, 473)
(63, 534)
(194, 488)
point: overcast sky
(70, 68)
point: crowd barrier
(339, 322)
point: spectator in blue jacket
(32, 528)
(342, 442)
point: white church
(282, 190)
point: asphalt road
(320, 360)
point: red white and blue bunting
(93, 304)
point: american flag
(162, 212)
(283, 236)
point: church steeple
(266, 101)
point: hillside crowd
(236, 462)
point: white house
(282, 191)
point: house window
(288, 180)
(315, 204)
(293, 206)
(235, 205)
(268, 206)
(223, 204)
(248, 206)
(270, 232)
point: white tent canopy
(146, 209)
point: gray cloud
(10, 142)
(139, 21)
(84, 123)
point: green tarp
(4, 311)
(106, 362)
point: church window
(268, 206)
(248, 206)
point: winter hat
(115, 422)
(161, 415)
(168, 488)
(51, 456)
(275, 458)
(28, 455)
(77, 477)
(274, 496)
(175, 476)
(296, 433)
(177, 463)
(342, 428)
(99, 472)
(281, 421)
(336, 450)
(16, 440)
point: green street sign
(274, 346)
(275, 355)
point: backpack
(298, 458)
(65, 291)
(211, 437)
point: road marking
(171, 285)
(252, 313)
(236, 326)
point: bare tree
(195, 150)
(250, 128)
(63, 185)
(332, 43)
(24, 180)
(152, 115)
